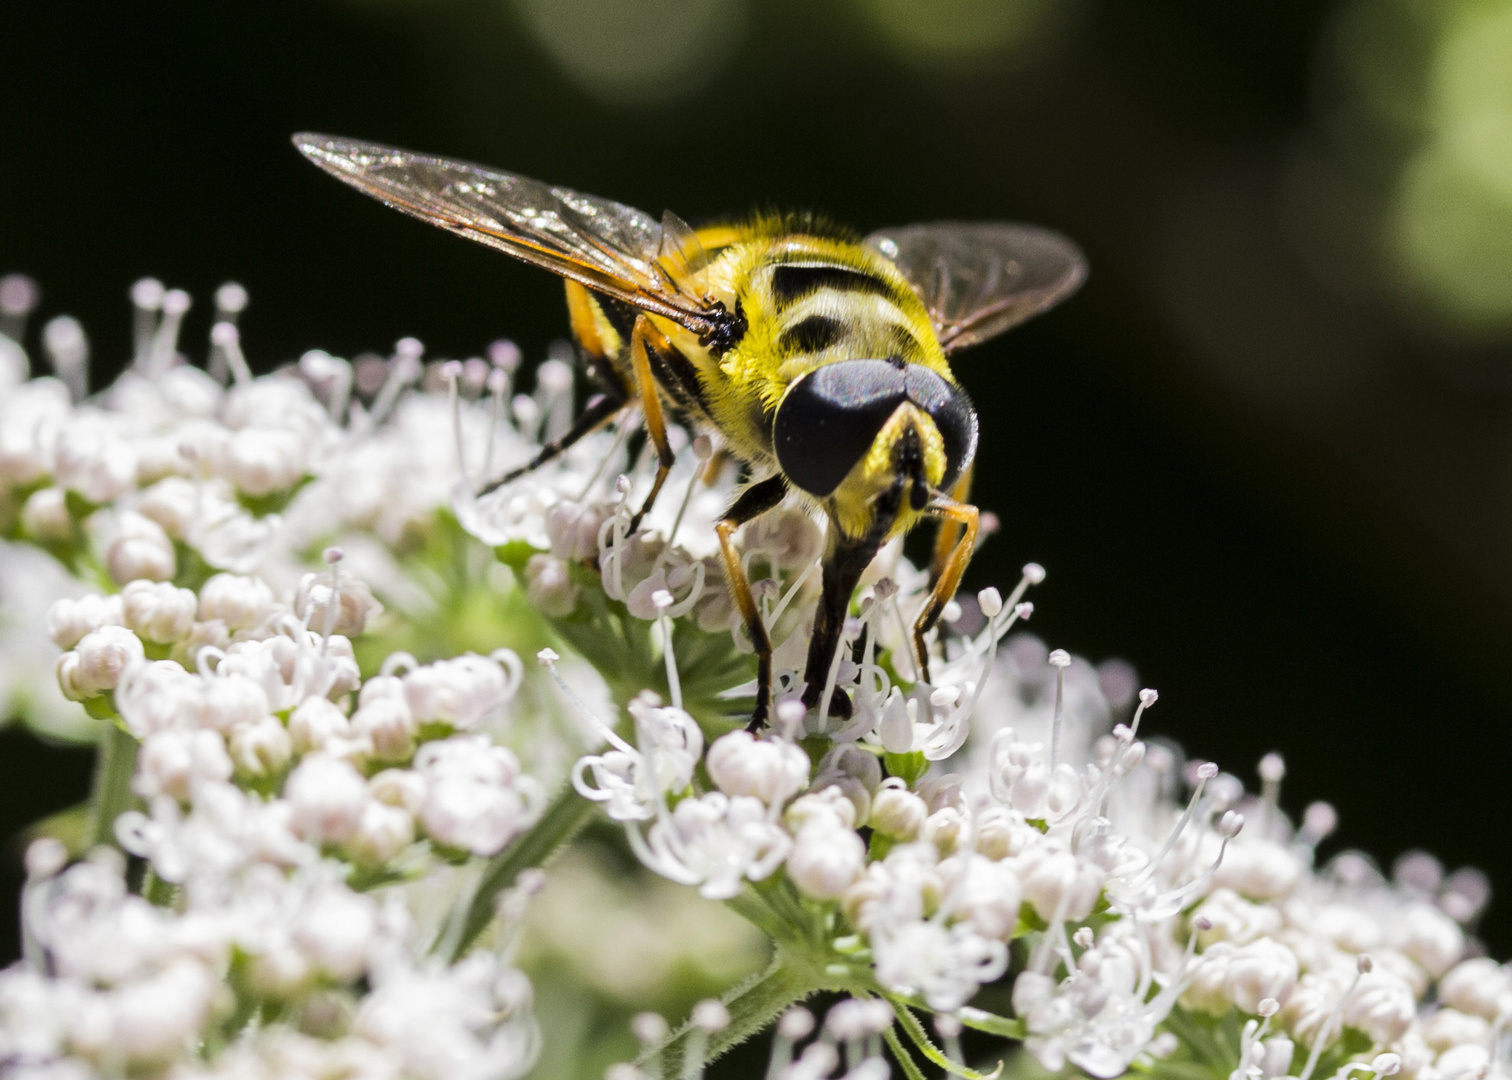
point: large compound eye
(950, 409)
(829, 418)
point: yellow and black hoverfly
(817, 358)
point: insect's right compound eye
(829, 418)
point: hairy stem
(115, 764)
(753, 1005)
(567, 813)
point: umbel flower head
(329, 783)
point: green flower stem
(911, 1070)
(920, 1038)
(753, 1004)
(115, 764)
(564, 817)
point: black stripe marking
(676, 372)
(791, 281)
(903, 340)
(621, 315)
(810, 335)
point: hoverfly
(819, 359)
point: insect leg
(641, 341)
(949, 533)
(753, 502)
(600, 409)
(843, 568)
(963, 518)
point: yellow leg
(949, 533)
(962, 519)
(644, 337)
(753, 502)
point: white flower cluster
(117, 985)
(991, 837)
(284, 800)
(1141, 914)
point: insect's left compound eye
(829, 418)
(950, 409)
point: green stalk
(910, 1067)
(753, 1005)
(115, 764)
(920, 1038)
(564, 817)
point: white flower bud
(232, 700)
(1232, 918)
(327, 797)
(174, 503)
(573, 529)
(1276, 1061)
(1382, 1006)
(1479, 986)
(399, 787)
(1260, 869)
(92, 459)
(1002, 833)
(45, 517)
(457, 692)
(772, 770)
(1428, 936)
(1260, 970)
(826, 858)
(830, 805)
(336, 930)
(279, 972)
(1464, 1063)
(315, 722)
(1206, 989)
(239, 602)
(382, 834)
(97, 662)
(314, 600)
(45, 857)
(262, 460)
(69, 620)
(945, 828)
(139, 550)
(146, 1021)
(1450, 1027)
(389, 726)
(260, 748)
(898, 813)
(549, 586)
(475, 798)
(1058, 884)
(173, 762)
(157, 611)
(984, 893)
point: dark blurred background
(1265, 454)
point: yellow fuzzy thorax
(746, 384)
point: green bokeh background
(1266, 454)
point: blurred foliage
(607, 940)
(1422, 108)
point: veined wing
(977, 279)
(607, 246)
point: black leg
(843, 568)
(600, 410)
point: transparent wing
(979, 278)
(604, 245)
